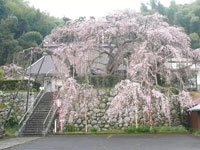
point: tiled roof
(47, 68)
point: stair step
(35, 122)
(32, 131)
(32, 134)
(34, 125)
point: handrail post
(30, 110)
(50, 116)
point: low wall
(6, 100)
(97, 119)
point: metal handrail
(49, 113)
(53, 105)
(32, 105)
(31, 110)
(46, 128)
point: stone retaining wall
(97, 119)
(6, 100)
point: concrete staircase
(34, 124)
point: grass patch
(69, 128)
(94, 130)
(130, 130)
(110, 132)
(197, 133)
(133, 129)
(164, 129)
(172, 129)
(140, 129)
(10, 132)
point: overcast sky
(97, 8)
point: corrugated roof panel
(195, 108)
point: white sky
(97, 8)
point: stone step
(35, 122)
(31, 134)
(32, 130)
(34, 126)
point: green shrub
(173, 129)
(11, 85)
(69, 128)
(12, 121)
(143, 129)
(154, 130)
(101, 81)
(132, 129)
(197, 133)
(34, 90)
(140, 129)
(94, 130)
(10, 131)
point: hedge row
(10, 85)
(101, 81)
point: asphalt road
(115, 142)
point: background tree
(19, 22)
(186, 16)
(30, 39)
(3, 9)
(8, 45)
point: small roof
(47, 69)
(195, 108)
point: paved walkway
(4, 144)
(115, 142)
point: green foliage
(30, 39)
(140, 129)
(197, 133)
(133, 129)
(195, 40)
(10, 131)
(143, 129)
(172, 129)
(101, 81)
(12, 121)
(164, 129)
(3, 9)
(34, 90)
(1, 74)
(11, 85)
(186, 16)
(8, 44)
(21, 27)
(93, 130)
(130, 130)
(69, 128)
(154, 130)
